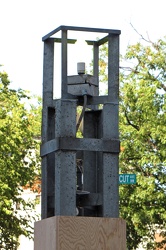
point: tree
(19, 163)
(143, 139)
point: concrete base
(80, 233)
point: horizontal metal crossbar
(76, 144)
(59, 40)
(86, 29)
(49, 147)
(98, 42)
(91, 100)
(92, 199)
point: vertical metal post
(96, 70)
(64, 64)
(90, 158)
(96, 62)
(113, 67)
(65, 161)
(110, 163)
(111, 131)
(47, 99)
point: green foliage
(143, 140)
(19, 163)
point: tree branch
(130, 69)
(130, 123)
(140, 34)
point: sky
(23, 23)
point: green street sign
(127, 178)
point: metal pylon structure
(80, 176)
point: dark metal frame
(99, 149)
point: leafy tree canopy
(143, 139)
(19, 165)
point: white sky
(23, 23)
